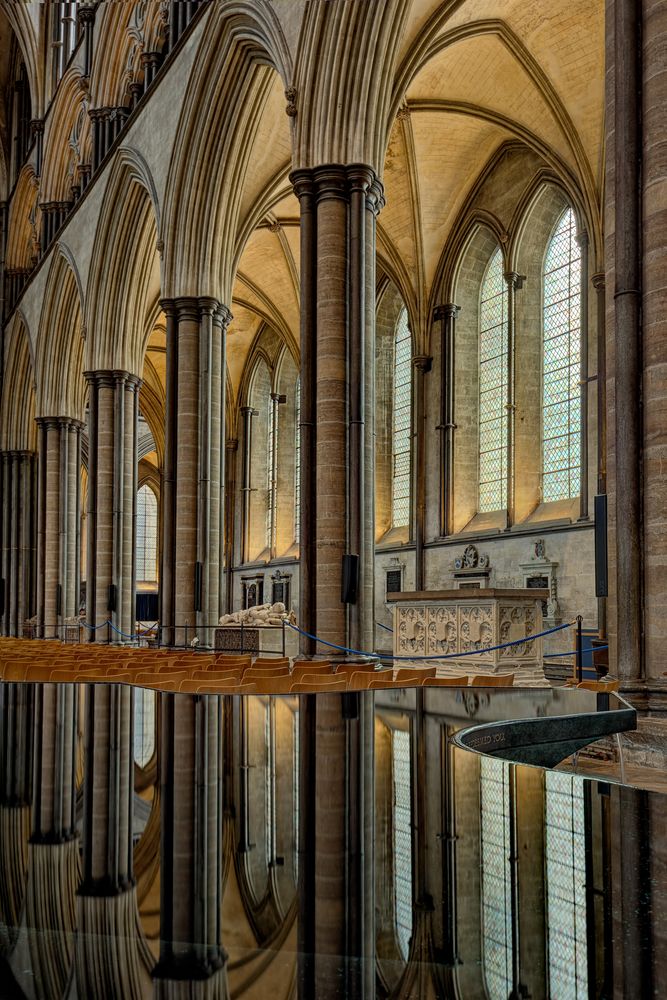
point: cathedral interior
(334, 373)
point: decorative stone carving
(442, 630)
(516, 623)
(261, 616)
(475, 628)
(411, 631)
(542, 571)
(471, 559)
(290, 97)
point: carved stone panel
(411, 631)
(517, 622)
(442, 630)
(475, 629)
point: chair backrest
(360, 680)
(301, 667)
(270, 685)
(222, 660)
(315, 682)
(446, 681)
(219, 676)
(406, 675)
(253, 673)
(350, 669)
(270, 662)
(600, 685)
(492, 680)
(145, 678)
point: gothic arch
(24, 222)
(67, 139)
(125, 256)
(17, 413)
(61, 390)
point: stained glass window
(496, 879)
(270, 475)
(493, 387)
(297, 460)
(402, 839)
(146, 535)
(565, 850)
(402, 413)
(561, 418)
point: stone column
(58, 523)
(446, 315)
(338, 209)
(111, 956)
(422, 365)
(582, 240)
(112, 498)
(194, 467)
(191, 861)
(336, 870)
(19, 528)
(599, 286)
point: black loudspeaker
(2, 596)
(350, 580)
(601, 569)
(111, 597)
(59, 598)
(199, 577)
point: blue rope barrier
(441, 656)
(125, 635)
(93, 628)
(385, 627)
(590, 649)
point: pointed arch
(22, 23)
(67, 139)
(23, 224)
(61, 389)
(17, 412)
(126, 269)
(241, 70)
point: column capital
(514, 280)
(582, 237)
(249, 411)
(222, 317)
(232, 444)
(599, 280)
(86, 13)
(278, 397)
(187, 308)
(302, 182)
(208, 306)
(446, 310)
(168, 307)
(99, 378)
(422, 363)
(331, 182)
(360, 177)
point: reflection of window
(144, 726)
(146, 535)
(561, 419)
(297, 460)
(402, 409)
(493, 387)
(402, 839)
(271, 432)
(496, 879)
(565, 850)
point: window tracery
(493, 386)
(561, 417)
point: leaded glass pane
(297, 461)
(496, 878)
(146, 535)
(565, 850)
(561, 419)
(402, 414)
(493, 387)
(270, 475)
(402, 837)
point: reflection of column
(447, 314)
(112, 499)
(53, 860)
(191, 855)
(338, 206)
(514, 283)
(422, 366)
(112, 958)
(58, 522)
(247, 413)
(336, 868)
(194, 465)
(16, 736)
(231, 448)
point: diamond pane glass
(496, 878)
(402, 837)
(493, 387)
(402, 414)
(561, 419)
(297, 460)
(146, 535)
(565, 851)
(270, 474)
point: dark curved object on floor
(548, 741)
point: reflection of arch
(59, 354)
(125, 259)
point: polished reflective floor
(330, 845)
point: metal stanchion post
(580, 650)
(284, 639)
(108, 633)
(241, 636)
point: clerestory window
(493, 387)
(401, 426)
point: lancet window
(402, 413)
(493, 376)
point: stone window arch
(147, 535)
(561, 359)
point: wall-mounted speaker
(350, 579)
(601, 567)
(199, 580)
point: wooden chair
(219, 676)
(155, 679)
(252, 673)
(198, 686)
(314, 683)
(600, 685)
(492, 680)
(376, 683)
(350, 669)
(222, 660)
(301, 667)
(270, 662)
(406, 675)
(446, 681)
(361, 680)
(270, 685)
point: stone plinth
(256, 639)
(447, 622)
